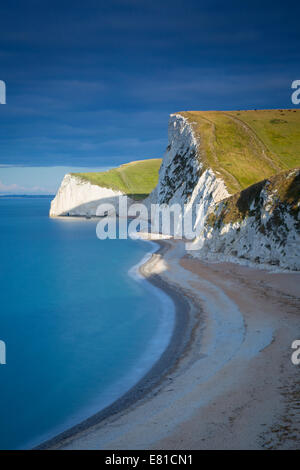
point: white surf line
(156, 347)
(223, 341)
(162, 338)
(224, 334)
(193, 384)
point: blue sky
(91, 84)
(37, 179)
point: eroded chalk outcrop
(260, 224)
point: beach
(226, 380)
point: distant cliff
(78, 197)
(81, 193)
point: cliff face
(81, 193)
(183, 178)
(77, 197)
(260, 224)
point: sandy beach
(226, 381)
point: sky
(91, 84)
(36, 180)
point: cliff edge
(235, 174)
(219, 162)
(81, 193)
(78, 197)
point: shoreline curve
(178, 342)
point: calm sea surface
(79, 331)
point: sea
(79, 324)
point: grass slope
(283, 190)
(244, 147)
(136, 179)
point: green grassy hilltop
(244, 147)
(136, 179)
(284, 193)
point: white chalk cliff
(259, 225)
(77, 197)
(255, 226)
(268, 232)
(183, 179)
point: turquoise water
(79, 331)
